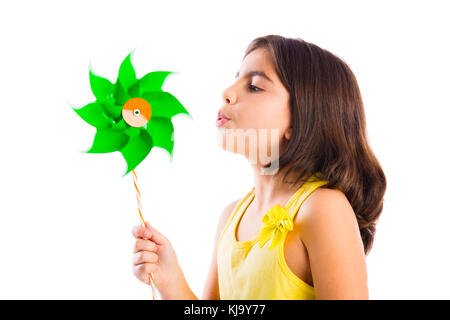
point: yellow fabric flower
(276, 222)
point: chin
(237, 141)
(225, 140)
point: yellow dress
(247, 271)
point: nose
(228, 96)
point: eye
(252, 88)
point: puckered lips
(221, 119)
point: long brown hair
(328, 127)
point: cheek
(254, 116)
(266, 114)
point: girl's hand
(154, 254)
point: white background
(66, 216)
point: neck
(270, 190)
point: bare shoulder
(329, 230)
(326, 202)
(327, 208)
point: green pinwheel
(132, 115)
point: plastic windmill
(131, 116)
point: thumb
(157, 236)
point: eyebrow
(255, 73)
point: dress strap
(237, 210)
(314, 181)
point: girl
(322, 171)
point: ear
(288, 133)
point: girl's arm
(211, 289)
(329, 230)
(179, 290)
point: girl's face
(257, 105)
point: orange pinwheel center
(136, 112)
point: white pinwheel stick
(138, 197)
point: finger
(144, 245)
(156, 236)
(139, 232)
(142, 271)
(144, 257)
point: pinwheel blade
(120, 126)
(112, 110)
(136, 150)
(164, 104)
(161, 130)
(102, 88)
(121, 94)
(107, 140)
(127, 75)
(94, 115)
(153, 81)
